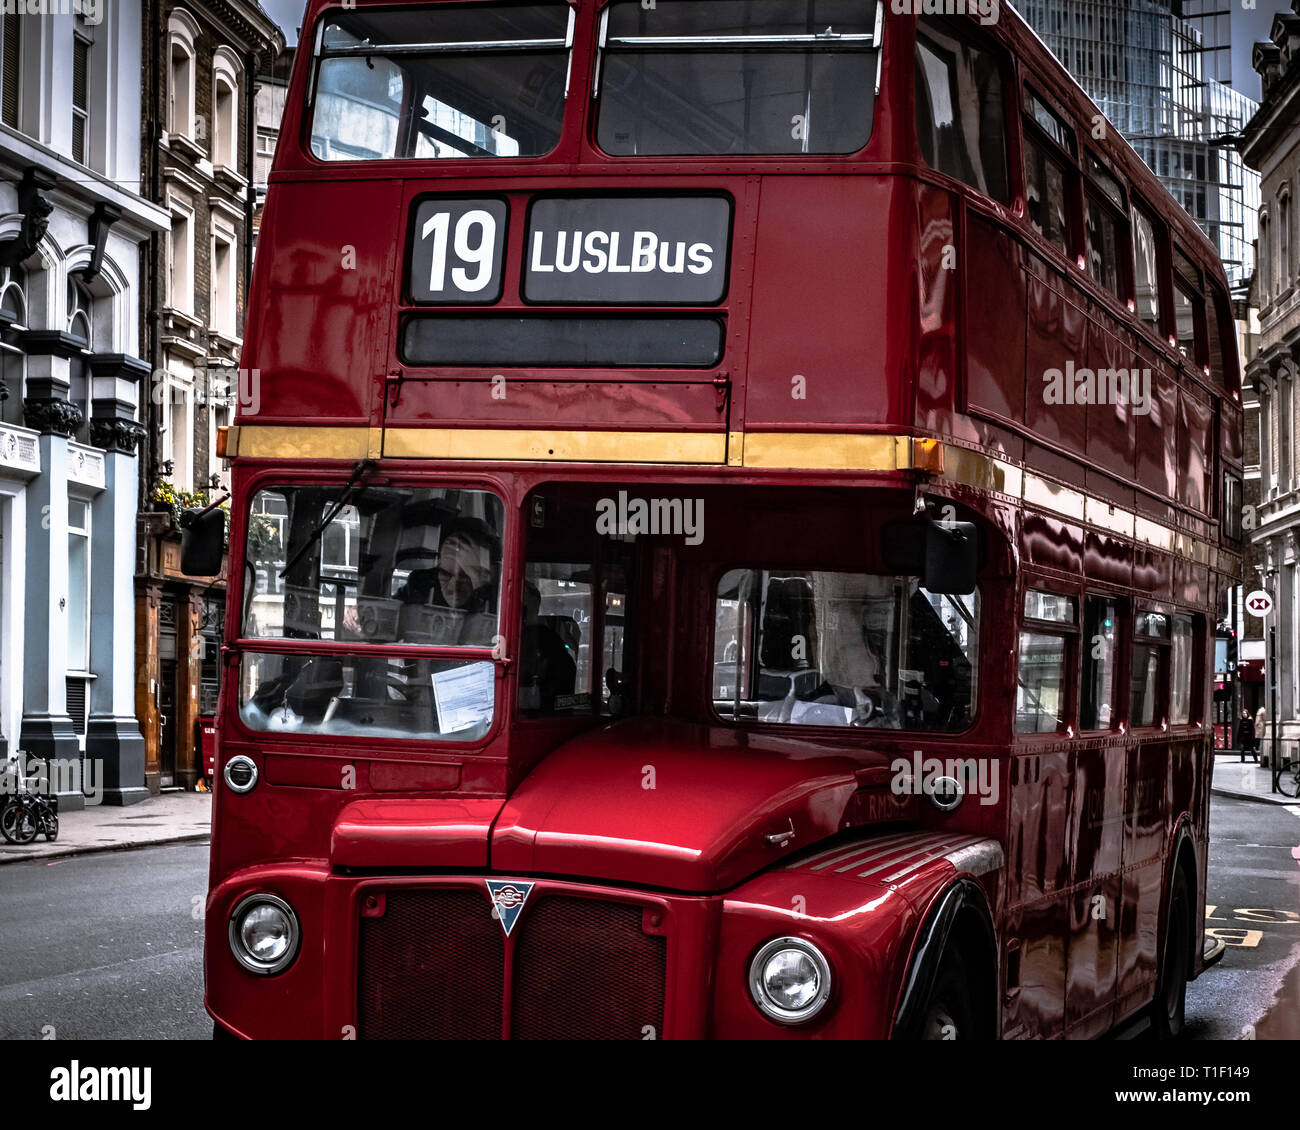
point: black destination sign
(628, 250)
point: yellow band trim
(571, 447)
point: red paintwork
(837, 274)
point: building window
(78, 585)
(178, 429)
(13, 362)
(223, 283)
(10, 67)
(1282, 465)
(180, 277)
(1265, 258)
(80, 99)
(1283, 242)
(182, 31)
(225, 108)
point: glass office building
(1161, 72)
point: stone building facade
(199, 151)
(1271, 144)
(72, 380)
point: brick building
(200, 78)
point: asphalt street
(110, 946)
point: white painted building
(72, 223)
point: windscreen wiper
(350, 488)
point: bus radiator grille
(585, 970)
(431, 968)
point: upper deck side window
(728, 77)
(960, 121)
(475, 80)
(1146, 266)
(1106, 229)
(1050, 172)
(1189, 308)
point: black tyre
(1288, 781)
(51, 828)
(8, 816)
(18, 824)
(949, 1014)
(1168, 1011)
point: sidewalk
(1245, 780)
(165, 819)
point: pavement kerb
(58, 851)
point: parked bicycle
(24, 815)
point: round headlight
(264, 933)
(790, 980)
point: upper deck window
(472, 80)
(1050, 173)
(1105, 229)
(1146, 263)
(699, 77)
(959, 118)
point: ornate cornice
(115, 434)
(51, 416)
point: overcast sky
(288, 14)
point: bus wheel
(948, 1014)
(1169, 1009)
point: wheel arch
(958, 917)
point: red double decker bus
(726, 538)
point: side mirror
(203, 542)
(951, 558)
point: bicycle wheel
(19, 824)
(1288, 780)
(50, 826)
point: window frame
(1010, 155)
(1118, 658)
(713, 578)
(1068, 631)
(1067, 156)
(1095, 194)
(874, 41)
(319, 53)
(1163, 646)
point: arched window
(1284, 272)
(181, 33)
(1265, 264)
(226, 73)
(13, 362)
(81, 327)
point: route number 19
(457, 251)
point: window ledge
(186, 145)
(225, 174)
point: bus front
(590, 571)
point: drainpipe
(251, 63)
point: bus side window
(1182, 683)
(1222, 374)
(1146, 268)
(952, 80)
(1149, 679)
(1042, 686)
(1050, 174)
(1106, 230)
(1189, 308)
(1100, 632)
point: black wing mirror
(203, 541)
(945, 555)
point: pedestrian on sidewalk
(1259, 735)
(1246, 736)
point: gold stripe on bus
(825, 451)
(507, 445)
(1053, 496)
(258, 441)
(1108, 517)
